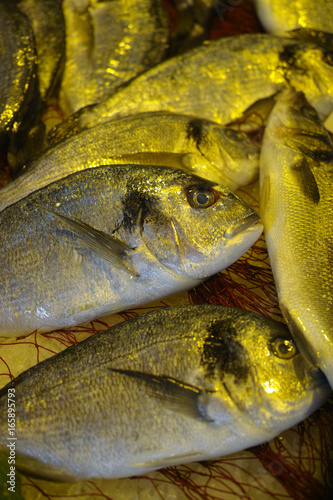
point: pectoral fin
(160, 463)
(306, 180)
(105, 246)
(179, 396)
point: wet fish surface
(255, 66)
(201, 147)
(171, 386)
(17, 66)
(107, 44)
(279, 16)
(109, 238)
(296, 178)
(47, 23)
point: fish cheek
(160, 236)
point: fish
(296, 206)
(18, 72)
(218, 81)
(107, 44)
(173, 385)
(48, 27)
(113, 237)
(201, 147)
(277, 17)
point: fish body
(17, 65)
(280, 16)
(201, 147)
(171, 386)
(109, 238)
(48, 27)
(107, 44)
(296, 206)
(218, 81)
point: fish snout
(242, 225)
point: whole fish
(278, 16)
(202, 147)
(107, 44)
(109, 238)
(48, 27)
(218, 81)
(175, 385)
(296, 183)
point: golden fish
(201, 147)
(218, 81)
(107, 44)
(296, 183)
(173, 385)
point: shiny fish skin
(48, 26)
(107, 44)
(203, 148)
(17, 67)
(175, 385)
(218, 81)
(296, 179)
(279, 16)
(110, 238)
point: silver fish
(218, 81)
(107, 44)
(109, 238)
(171, 386)
(201, 147)
(296, 178)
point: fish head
(254, 364)
(310, 69)
(235, 157)
(193, 227)
(295, 122)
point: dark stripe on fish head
(136, 207)
(144, 212)
(288, 56)
(223, 355)
(195, 131)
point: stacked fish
(130, 199)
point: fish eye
(284, 348)
(201, 197)
(328, 58)
(233, 134)
(309, 112)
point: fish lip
(250, 222)
(319, 379)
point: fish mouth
(251, 222)
(318, 379)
